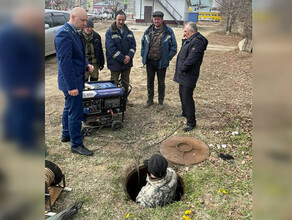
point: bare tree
(47, 3)
(114, 5)
(58, 4)
(245, 16)
(234, 9)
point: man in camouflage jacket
(93, 50)
(161, 183)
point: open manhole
(133, 185)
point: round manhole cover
(184, 150)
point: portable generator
(104, 105)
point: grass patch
(223, 105)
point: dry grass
(223, 104)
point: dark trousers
(72, 117)
(188, 104)
(125, 75)
(152, 68)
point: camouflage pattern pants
(94, 75)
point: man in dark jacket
(187, 71)
(93, 50)
(158, 48)
(120, 49)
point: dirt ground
(223, 104)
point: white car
(107, 15)
(54, 20)
(94, 16)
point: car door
(49, 35)
(56, 20)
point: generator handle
(128, 84)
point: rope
(49, 177)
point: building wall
(130, 7)
(90, 5)
(180, 6)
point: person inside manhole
(161, 183)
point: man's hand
(90, 68)
(127, 59)
(73, 92)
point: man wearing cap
(93, 50)
(120, 49)
(161, 183)
(158, 48)
(72, 64)
(187, 71)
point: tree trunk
(228, 25)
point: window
(67, 16)
(59, 20)
(48, 20)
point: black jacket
(97, 48)
(189, 60)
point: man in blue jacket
(72, 65)
(187, 71)
(158, 48)
(120, 49)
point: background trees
(236, 12)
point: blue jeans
(72, 118)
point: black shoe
(188, 128)
(82, 151)
(65, 139)
(148, 104)
(160, 105)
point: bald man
(72, 66)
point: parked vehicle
(95, 16)
(107, 15)
(54, 20)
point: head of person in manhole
(161, 183)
